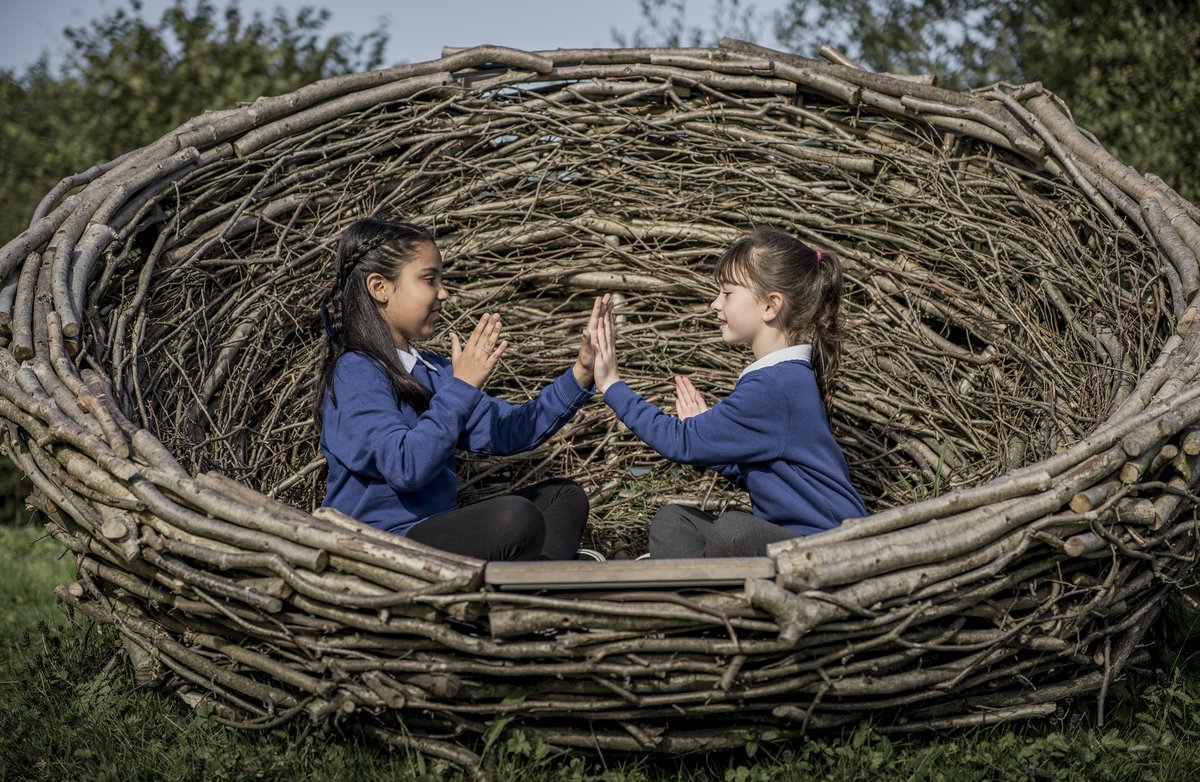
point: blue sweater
(770, 437)
(391, 466)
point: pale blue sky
(417, 29)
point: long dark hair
(770, 260)
(351, 318)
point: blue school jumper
(770, 437)
(391, 466)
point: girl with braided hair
(391, 416)
(771, 435)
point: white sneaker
(590, 553)
(643, 556)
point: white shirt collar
(790, 353)
(409, 360)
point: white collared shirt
(790, 353)
(409, 360)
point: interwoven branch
(1018, 403)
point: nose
(442, 293)
(716, 303)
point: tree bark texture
(1018, 402)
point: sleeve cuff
(618, 395)
(459, 394)
(570, 392)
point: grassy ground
(69, 710)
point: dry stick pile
(1018, 403)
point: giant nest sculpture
(1019, 400)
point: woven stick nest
(1018, 402)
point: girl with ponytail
(771, 436)
(391, 416)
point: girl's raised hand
(688, 401)
(473, 362)
(604, 345)
(584, 368)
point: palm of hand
(474, 361)
(601, 309)
(587, 356)
(688, 401)
(605, 367)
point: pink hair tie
(818, 252)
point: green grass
(69, 711)
(31, 564)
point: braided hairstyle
(351, 317)
(769, 260)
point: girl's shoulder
(354, 366)
(786, 380)
(796, 367)
(354, 358)
(783, 371)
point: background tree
(1127, 69)
(665, 24)
(125, 81)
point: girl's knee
(667, 520)
(734, 524)
(736, 535)
(728, 543)
(514, 513)
(565, 485)
(671, 514)
(517, 529)
(565, 490)
(678, 531)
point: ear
(772, 306)
(379, 287)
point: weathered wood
(648, 573)
(1020, 412)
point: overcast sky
(417, 29)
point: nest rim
(810, 584)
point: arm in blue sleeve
(370, 433)
(502, 428)
(732, 473)
(744, 427)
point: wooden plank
(626, 574)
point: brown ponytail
(827, 332)
(770, 260)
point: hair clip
(326, 321)
(818, 252)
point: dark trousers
(543, 521)
(679, 531)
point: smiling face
(747, 318)
(739, 312)
(411, 303)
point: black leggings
(682, 531)
(543, 521)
